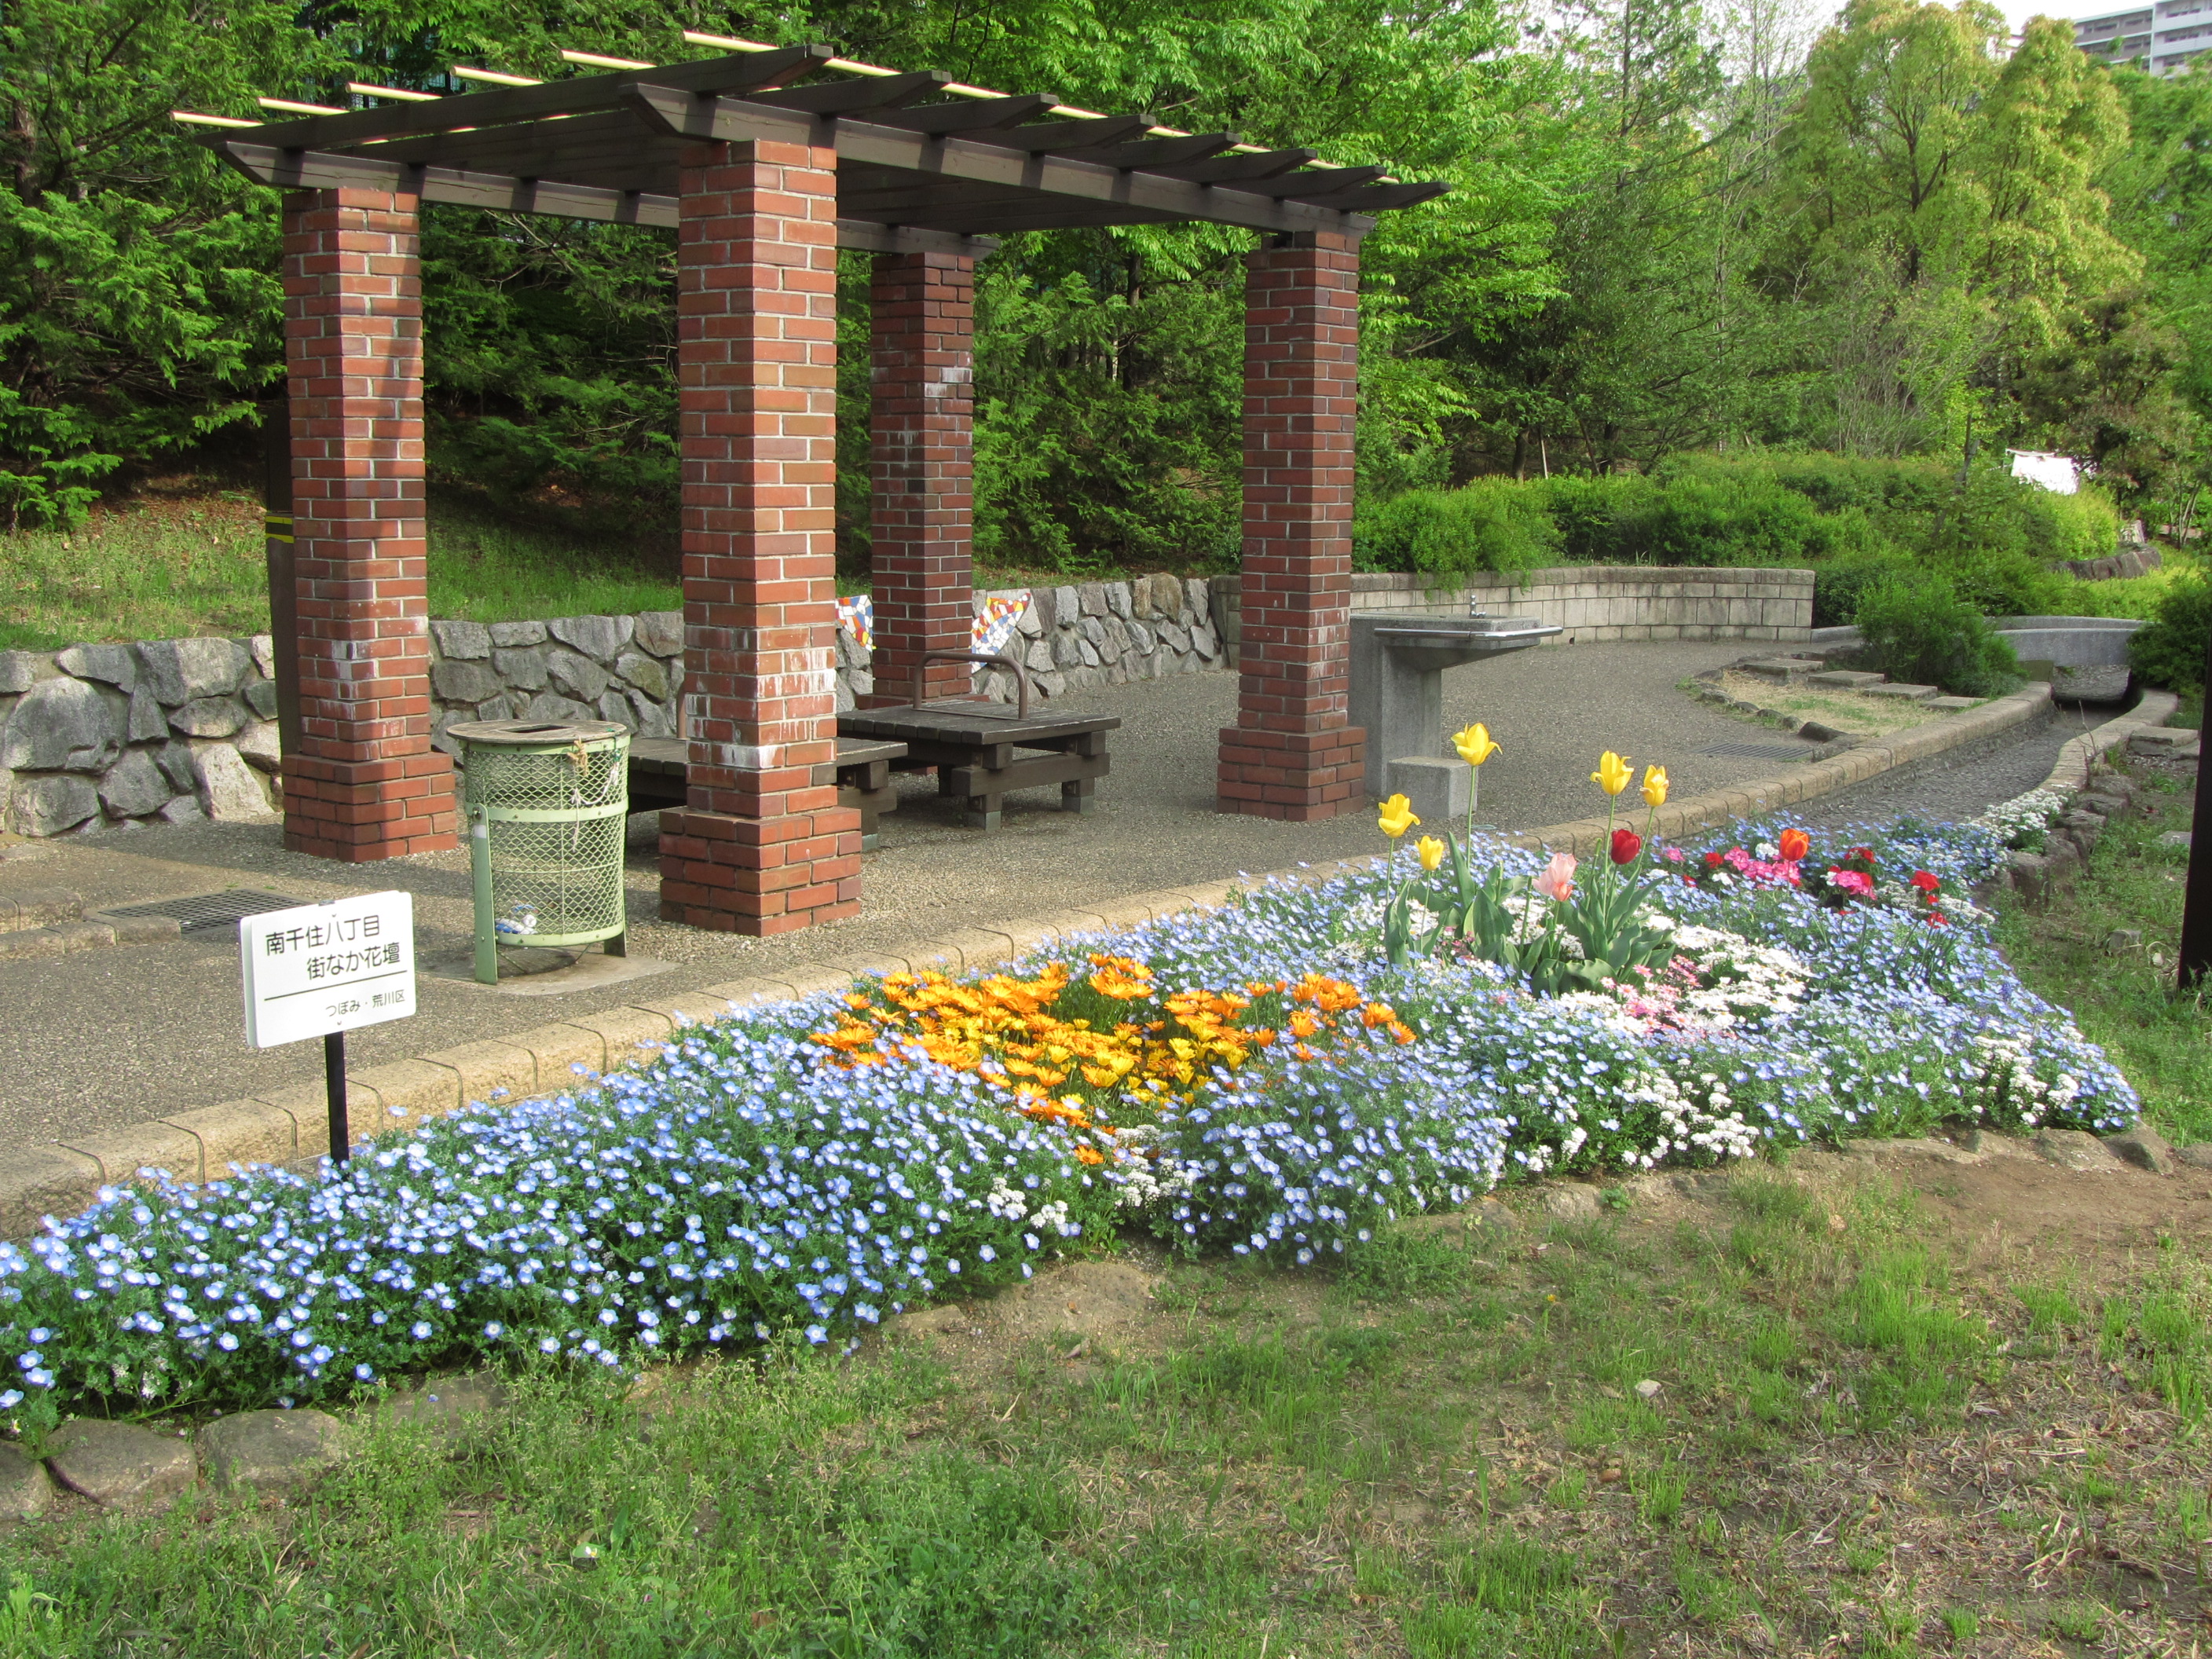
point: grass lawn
(2122, 992)
(1870, 1432)
(175, 565)
(1841, 711)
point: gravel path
(1958, 789)
(109, 1037)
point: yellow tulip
(1655, 786)
(1613, 774)
(1474, 744)
(1432, 851)
(1397, 816)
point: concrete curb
(290, 1125)
(2071, 775)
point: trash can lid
(536, 733)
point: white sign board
(329, 966)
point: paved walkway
(109, 1037)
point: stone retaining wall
(164, 730)
(174, 730)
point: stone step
(1953, 705)
(38, 907)
(1845, 679)
(1905, 693)
(1787, 670)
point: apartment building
(2163, 38)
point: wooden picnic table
(659, 767)
(981, 750)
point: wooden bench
(658, 768)
(979, 747)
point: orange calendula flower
(1089, 1155)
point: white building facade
(2163, 38)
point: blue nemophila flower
(744, 1184)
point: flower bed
(1279, 1076)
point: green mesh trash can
(545, 802)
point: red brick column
(762, 846)
(919, 426)
(1291, 755)
(364, 783)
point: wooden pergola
(764, 179)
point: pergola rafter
(764, 174)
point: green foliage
(1492, 524)
(1919, 630)
(2170, 649)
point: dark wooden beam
(839, 97)
(1164, 152)
(1087, 132)
(1086, 186)
(972, 115)
(1314, 182)
(326, 170)
(1226, 169)
(710, 76)
(525, 148)
(1379, 199)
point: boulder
(1092, 598)
(1117, 600)
(273, 1451)
(1168, 598)
(177, 764)
(615, 706)
(520, 667)
(18, 670)
(651, 717)
(517, 632)
(1140, 637)
(185, 809)
(231, 792)
(181, 670)
(1572, 1201)
(1027, 624)
(119, 1464)
(134, 787)
(650, 678)
(263, 649)
(2197, 1157)
(145, 723)
(1067, 607)
(208, 717)
(547, 706)
(599, 637)
(261, 698)
(1038, 659)
(661, 632)
(574, 676)
(1176, 636)
(461, 641)
(2144, 1147)
(2073, 1149)
(115, 664)
(261, 746)
(25, 1491)
(63, 726)
(466, 682)
(49, 804)
(1197, 599)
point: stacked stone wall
(160, 732)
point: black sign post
(2197, 900)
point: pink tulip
(1558, 881)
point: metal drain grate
(1758, 750)
(209, 911)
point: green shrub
(1493, 524)
(2169, 650)
(1919, 629)
(1839, 584)
(2083, 525)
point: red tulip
(1795, 845)
(1626, 844)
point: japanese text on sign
(325, 967)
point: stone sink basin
(1398, 660)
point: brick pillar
(1291, 755)
(919, 426)
(363, 782)
(762, 846)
